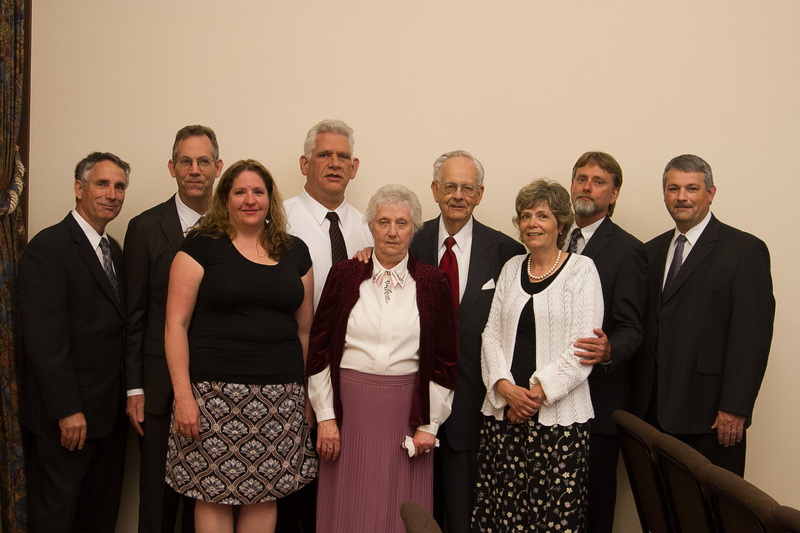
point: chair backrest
(636, 437)
(786, 520)
(417, 519)
(680, 470)
(737, 505)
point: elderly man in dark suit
(151, 242)
(708, 322)
(622, 264)
(72, 296)
(473, 255)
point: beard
(584, 207)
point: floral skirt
(255, 444)
(531, 477)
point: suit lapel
(704, 246)
(89, 256)
(427, 249)
(171, 224)
(479, 263)
(599, 240)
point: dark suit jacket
(621, 261)
(151, 242)
(490, 251)
(73, 329)
(709, 333)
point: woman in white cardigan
(532, 463)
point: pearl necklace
(558, 258)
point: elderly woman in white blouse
(382, 367)
(532, 462)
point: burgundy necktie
(338, 248)
(450, 265)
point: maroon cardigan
(438, 340)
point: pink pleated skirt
(363, 489)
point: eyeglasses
(202, 162)
(451, 188)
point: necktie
(450, 265)
(677, 261)
(338, 248)
(108, 266)
(573, 241)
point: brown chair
(680, 470)
(636, 437)
(786, 520)
(417, 519)
(737, 505)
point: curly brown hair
(216, 223)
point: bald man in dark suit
(708, 322)
(480, 252)
(72, 298)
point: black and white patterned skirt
(255, 444)
(531, 477)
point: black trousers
(75, 491)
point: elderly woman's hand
(328, 444)
(424, 442)
(522, 403)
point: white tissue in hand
(408, 444)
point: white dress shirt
(382, 338)
(691, 239)
(586, 234)
(93, 236)
(306, 219)
(188, 216)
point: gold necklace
(558, 258)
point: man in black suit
(151, 242)
(480, 253)
(72, 297)
(708, 322)
(622, 264)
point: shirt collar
(91, 233)
(694, 232)
(463, 238)
(319, 211)
(399, 273)
(186, 214)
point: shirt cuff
(135, 392)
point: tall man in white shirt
(622, 264)
(708, 322)
(333, 230)
(476, 253)
(151, 242)
(72, 299)
(321, 211)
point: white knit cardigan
(570, 308)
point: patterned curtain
(12, 238)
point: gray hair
(394, 194)
(85, 166)
(689, 163)
(327, 126)
(439, 163)
(196, 130)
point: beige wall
(526, 86)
